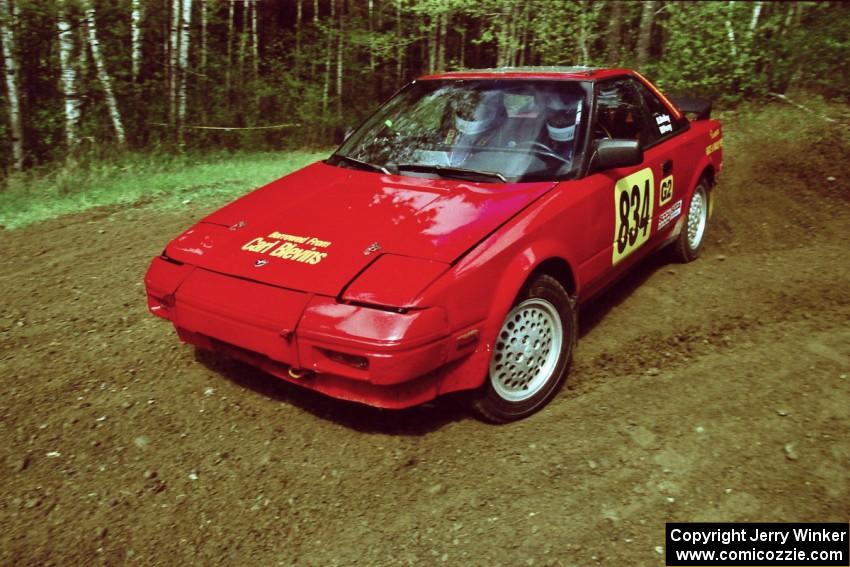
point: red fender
(472, 371)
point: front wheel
(531, 353)
(688, 245)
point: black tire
(531, 354)
(688, 246)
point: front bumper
(374, 356)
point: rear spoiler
(698, 106)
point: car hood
(318, 228)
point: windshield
(492, 130)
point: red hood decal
(316, 229)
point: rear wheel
(688, 246)
(531, 353)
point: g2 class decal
(665, 191)
(285, 246)
(633, 206)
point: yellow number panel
(633, 206)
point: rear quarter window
(662, 122)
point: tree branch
(784, 98)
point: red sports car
(447, 242)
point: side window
(662, 123)
(619, 113)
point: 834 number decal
(633, 206)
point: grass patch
(165, 180)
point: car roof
(542, 72)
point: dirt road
(713, 391)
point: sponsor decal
(663, 123)
(714, 146)
(304, 249)
(633, 206)
(714, 133)
(665, 190)
(667, 216)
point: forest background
(87, 80)
(181, 102)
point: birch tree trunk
(500, 45)
(173, 51)
(438, 40)
(69, 78)
(313, 60)
(524, 37)
(102, 73)
(615, 24)
(585, 56)
(185, 28)
(10, 70)
(788, 15)
(339, 61)
(645, 33)
(204, 17)
(136, 38)
(243, 38)
(82, 67)
(510, 55)
(231, 14)
(463, 47)
(756, 13)
(299, 15)
(754, 63)
(730, 31)
(399, 60)
(794, 71)
(326, 85)
(255, 38)
(371, 8)
(441, 57)
(432, 43)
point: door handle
(667, 167)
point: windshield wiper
(451, 170)
(362, 164)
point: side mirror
(342, 133)
(617, 153)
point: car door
(625, 198)
(666, 145)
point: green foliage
(697, 54)
(819, 51)
(793, 46)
